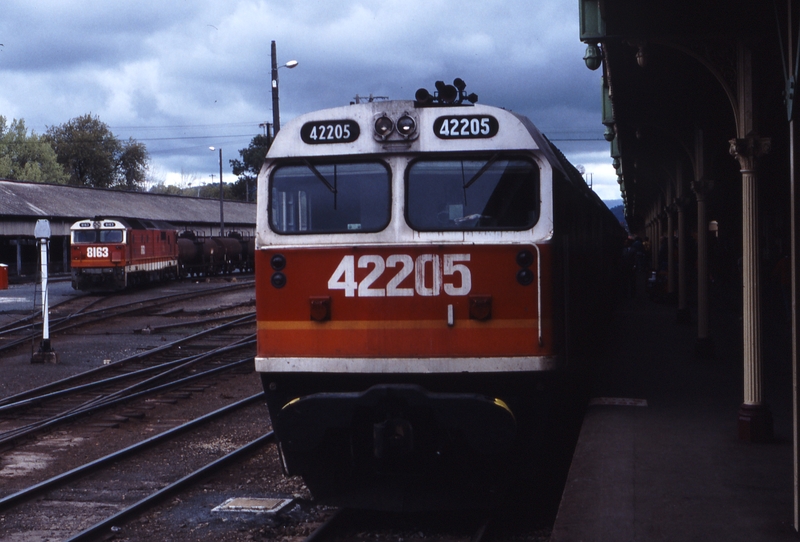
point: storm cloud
(184, 75)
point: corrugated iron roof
(42, 200)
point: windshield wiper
(481, 171)
(320, 176)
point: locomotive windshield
(495, 193)
(97, 236)
(330, 198)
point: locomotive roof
(512, 131)
(123, 223)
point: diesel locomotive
(430, 276)
(111, 254)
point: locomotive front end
(110, 254)
(405, 303)
(98, 254)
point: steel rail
(46, 485)
(34, 401)
(104, 402)
(123, 515)
(327, 526)
(81, 310)
(135, 357)
(37, 313)
(158, 329)
(55, 325)
(482, 534)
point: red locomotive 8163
(111, 254)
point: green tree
(249, 166)
(162, 188)
(25, 157)
(93, 156)
(133, 164)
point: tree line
(85, 152)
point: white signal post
(45, 353)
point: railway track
(156, 371)
(84, 311)
(102, 483)
(345, 524)
(96, 496)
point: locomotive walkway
(675, 469)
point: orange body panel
(114, 255)
(370, 317)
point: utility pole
(276, 116)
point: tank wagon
(430, 277)
(200, 255)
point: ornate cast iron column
(705, 345)
(671, 251)
(683, 316)
(755, 419)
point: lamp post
(276, 117)
(221, 194)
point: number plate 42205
(465, 127)
(329, 131)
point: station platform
(658, 456)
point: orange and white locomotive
(426, 272)
(110, 254)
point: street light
(221, 192)
(276, 117)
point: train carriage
(421, 288)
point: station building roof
(23, 203)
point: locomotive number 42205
(432, 275)
(465, 127)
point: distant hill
(618, 209)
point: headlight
(383, 127)
(406, 125)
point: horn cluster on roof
(445, 94)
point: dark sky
(184, 75)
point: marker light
(383, 126)
(406, 125)
(525, 277)
(278, 280)
(524, 258)
(278, 262)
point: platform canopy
(698, 103)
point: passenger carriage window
(330, 198)
(494, 193)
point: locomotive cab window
(84, 236)
(330, 198)
(97, 236)
(110, 236)
(495, 193)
